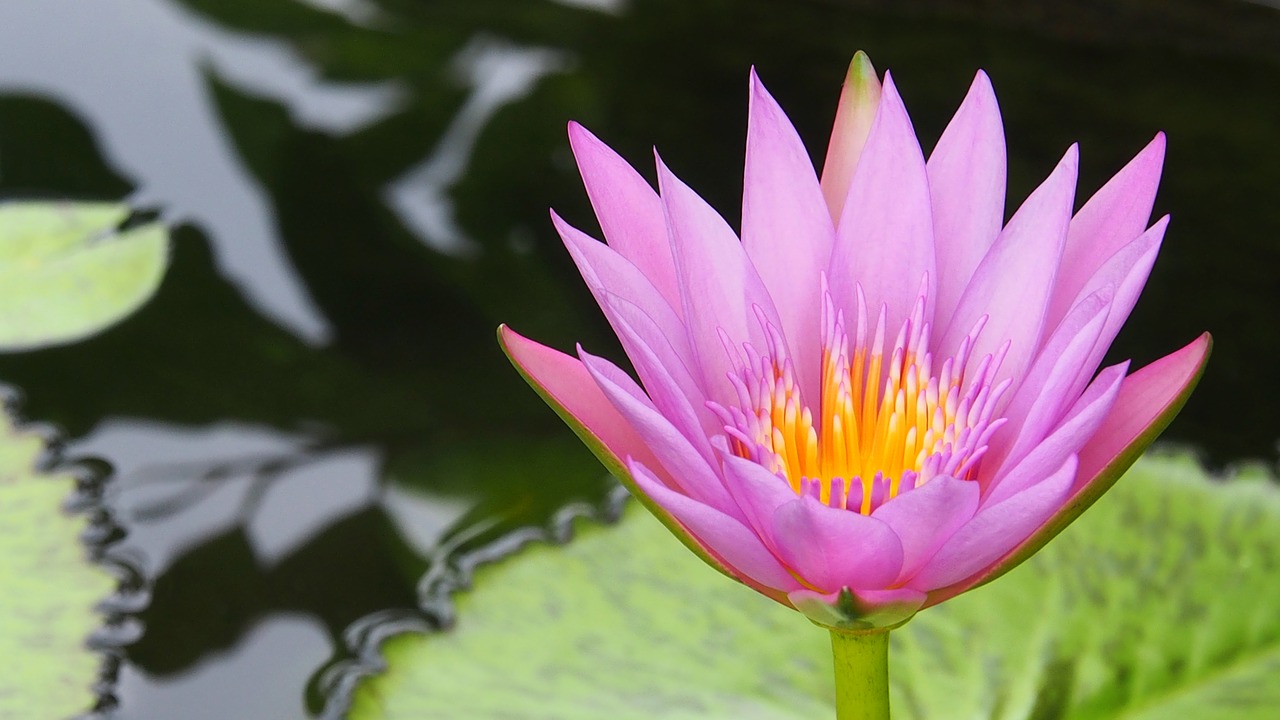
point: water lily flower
(881, 394)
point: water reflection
(312, 416)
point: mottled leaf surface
(47, 589)
(66, 273)
(1158, 603)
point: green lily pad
(66, 273)
(49, 589)
(1158, 603)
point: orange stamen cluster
(883, 422)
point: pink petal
(564, 383)
(606, 273)
(1113, 217)
(1051, 450)
(728, 539)
(858, 609)
(1127, 272)
(832, 549)
(924, 518)
(786, 229)
(629, 211)
(884, 240)
(995, 530)
(718, 284)
(688, 469)
(667, 378)
(758, 492)
(1012, 283)
(1147, 402)
(1039, 402)
(859, 100)
(966, 183)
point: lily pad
(49, 589)
(1158, 603)
(66, 273)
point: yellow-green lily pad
(1160, 602)
(66, 272)
(47, 588)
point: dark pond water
(311, 425)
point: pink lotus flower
(882, 395)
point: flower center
(883, 424)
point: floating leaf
(1158, 603)
(49, 590)
(65, 273)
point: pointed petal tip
(580, 136)
(1156, 148)
(1072, 156)
(860, 66)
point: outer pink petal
(833, 549)
(1012, 283)
(995, 530)
(1051, 450)
(786, 228)
(884, 240)
(1148, 400)
(688, 470)
(926, 517)
(733, 543)
(607, 272)
(1115, 215)
(563, 383)
(859, 609)
(967, 183)
(859, 100)
(718, 285)
(629, 211)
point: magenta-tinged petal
(967, 182)
(607, 272)
(858, 610)
(924, 518)
(1011, 285)
(1115, 215)
(1147, 401)
(884, 240)
(786, 228)
(688, 469)
(859, 100)
(727, 538)
(832, 549)
(563, 383)
(719, 286)
(995, 530)
(629, 211)
(1080, 424)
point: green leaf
(49, 590)
(1158, 603)
(65, 273)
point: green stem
(862, 674)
